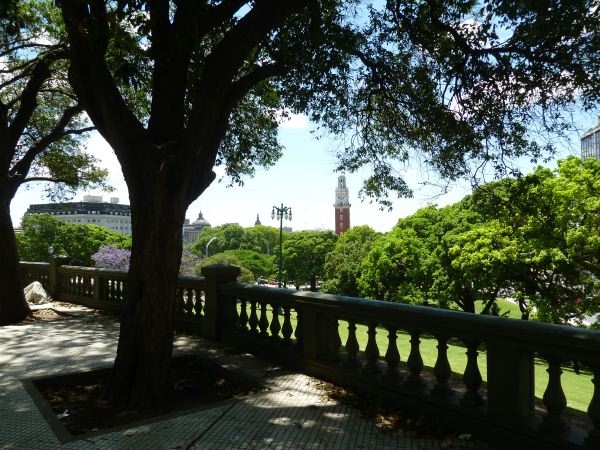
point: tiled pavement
(293, 414)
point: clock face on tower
(341, 195)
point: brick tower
(342, 206)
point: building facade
(91, 211)
(341, 206)
(191, 231)
(590, 143)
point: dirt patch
(384, 416)
(393, 419)
(78, 400)
(47, 314)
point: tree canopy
(304, 255)
(231, 236)
(342, 267)
(78, 242)
(176, 87)
(533, 239)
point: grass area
(506, 307)
(578, 388)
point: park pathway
(294, 414)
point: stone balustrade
(303, 330)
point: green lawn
(512, 309)
(578, 388)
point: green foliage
(552, 217)
(259, 264)
(47, 124)
(79, 242)
(533, 238)
(343, 264)
(393, 268)
(246, 276)
(456, 84)
(231, 236)
(304, 255)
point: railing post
(54, 263)
(319, 335)
(510, 385)
(218, 310)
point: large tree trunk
(13, 307)
(141, 375)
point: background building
(590, 143)
(342, 206)
(191, 231)
(92, 210)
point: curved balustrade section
(270, 320)
(90, 286)
(105, 289)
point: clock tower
(342, 206)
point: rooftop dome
(200, 222)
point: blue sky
(303, 179)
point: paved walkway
(294, 414)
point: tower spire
(341, 206)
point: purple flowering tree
(109, 257)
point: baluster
(415, 361)
(442, 370)
(336, 341)
(253, 321)
(113, 290)
(286, 329)
(180, 305)
(592, 440)
(120, 287)
(298, 331)
(472, 377)
(197, 299)
(371, 351)
(352, 347)
(243, 318)
(554, 398)
(188, 301)
(263, 322)
(275, 326)
(392, 356)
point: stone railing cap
(220, 270)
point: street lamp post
(207, 244)
(281, 213)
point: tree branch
(217, 15)
(241, 87)
(19, 171)
(66, 181)
(224, 63)
(95, 87)
(169, 74)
